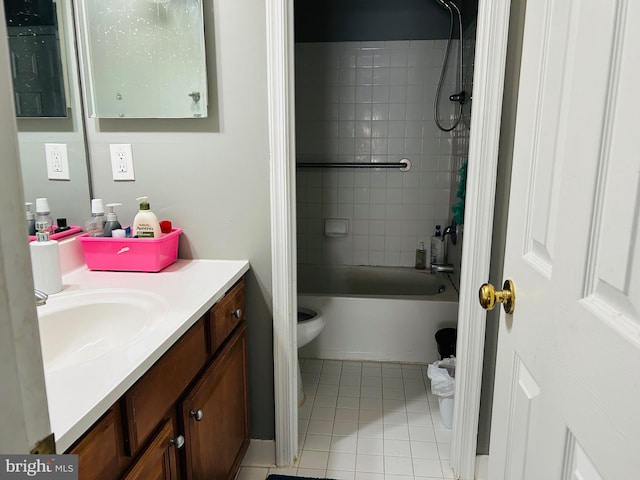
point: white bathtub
(387, 314)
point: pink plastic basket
(130, 254)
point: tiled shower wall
(371, 102)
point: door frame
(491, 47)
(24, 398)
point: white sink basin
(79, 327)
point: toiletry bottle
(437, 248)
(421, 257)
(95, 225)
(62, 225)
(112, 220)
(145, 223)
(45, 261)
(31, 219)
(43, 215)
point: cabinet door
(100, 451)
(215, 415)
(159, 460)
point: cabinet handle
(177, 442)
(197, 415)
(236, 313)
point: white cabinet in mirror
(143, 58)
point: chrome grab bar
(403, 165)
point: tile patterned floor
(367, 421)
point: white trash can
(443, 386)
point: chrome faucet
(41, 297)
(441, 268)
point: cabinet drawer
(151, 397)
(227, 314)
(100, 452)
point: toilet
(310, 324)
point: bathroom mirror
(143, 58)
(36, 58)
(70, 198)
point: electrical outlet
(121, 161)
(57, 161)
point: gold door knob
(489, 296)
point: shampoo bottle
(145, 223)
(45, 262)
(112, 220)
(437, 248)
(31, 219)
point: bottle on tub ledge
(421, 257)
(437, 248)
(145, 223)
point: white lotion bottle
(145, 223)
(45, 263)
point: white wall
(371, 102)
(211, 176)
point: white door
(567, 392)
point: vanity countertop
(79, 395)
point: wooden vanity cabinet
(187, 416)
(214, 415)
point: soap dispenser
(112, 220)
(31, 219)
(145, 223)
(45, 261)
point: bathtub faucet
(441, 268)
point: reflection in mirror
(143, 58)
(68, 199)
(36, 65)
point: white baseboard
(482, 467)
(261, 453)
